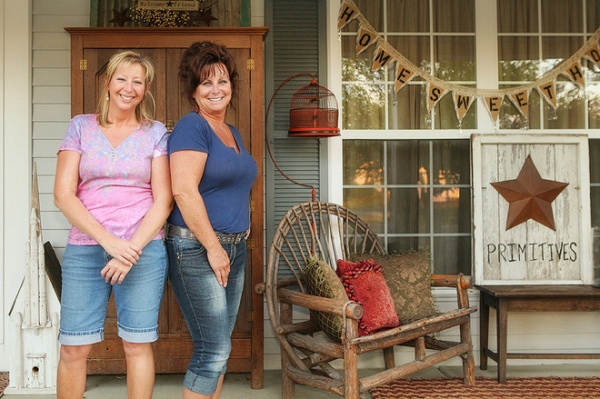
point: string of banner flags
(464, 96)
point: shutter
(293, 47)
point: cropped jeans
(210, 310)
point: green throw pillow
(321, 280)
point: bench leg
(287, 384)
(502, 331)
(484, 329)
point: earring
(107, 96)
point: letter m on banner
(381, 58)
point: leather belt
(224, 238)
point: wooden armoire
(90, 50)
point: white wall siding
(52, 100)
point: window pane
(408, 108)
(593, 15)
(368, 203)
(363, 162)
(454, 15)
(452, 210)
(406, 244)
(511, 118)
(451, 162)
(416, 49)
(562, 16)
(445, 115)
(455, 58)
(570, 113)
(595, 164)
(517, 16)
(594, 106)
(409, 210)
(408, 162)
(518, 59)
(357, 68)
(408, 15)
(372, 10)
(364, 106)
(595, 191)
(556, 49)
(452, 255)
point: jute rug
(3, 381)
(489, 388)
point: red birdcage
(313, 112)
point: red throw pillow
(364, 284)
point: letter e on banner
(521, 100)
(493, 105)
(403, 76)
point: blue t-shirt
(228, 176)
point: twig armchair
(333, 232)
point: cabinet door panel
(91, 49)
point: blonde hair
(144, 111)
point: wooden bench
(529, 298)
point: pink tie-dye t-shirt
(114, 183)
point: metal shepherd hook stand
(313, 114)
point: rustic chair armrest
(320, 304)
(461, 282)
(451, 280)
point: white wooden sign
(528, 227)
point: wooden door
(173, 349)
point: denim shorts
(210, 310)
(85, 294)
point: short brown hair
(196, 66)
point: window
(414, 194)
(595, 181)
(534, 37)
(407, 171)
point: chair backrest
(326, 230)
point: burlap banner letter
(365, 38)
(434, 94)
(381, 58)
(521, 101)
(548, 92)
(594, 55)
(462, 103)
(348, 12)
(493, 104)
(403, 75)
(575, 73)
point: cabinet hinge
(251, 206)
(83, 65)
(250, 245)
(250, 317)
(250, 64)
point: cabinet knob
(170, 123)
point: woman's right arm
(65, 199)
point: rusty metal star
(529, 196)
(120, 17)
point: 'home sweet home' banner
(463, 96)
